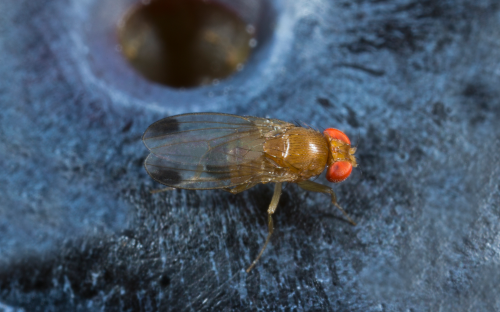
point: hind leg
(270, 211)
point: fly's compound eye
(338, 171)
(337, 134)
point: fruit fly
(204, 151)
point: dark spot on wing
(166, 176)
(162, 127)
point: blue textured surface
(416, 81)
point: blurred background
(414, 83)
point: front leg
(316, 187)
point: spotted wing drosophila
(203, 151)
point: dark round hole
(185, 43)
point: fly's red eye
(338, 171)
(337, 134)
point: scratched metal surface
(415, 83)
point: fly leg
(316, 187)
(270, 211)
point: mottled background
(414, 83)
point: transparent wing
(209, 150)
